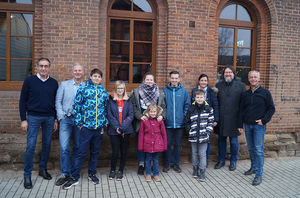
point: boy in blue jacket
(177, 101)
(90, 116)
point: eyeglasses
(228, 72)
(120, 88)
(45, 66)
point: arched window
(236, 47)
(131, 44)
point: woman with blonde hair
(120, 116)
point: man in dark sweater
(38, 101)
(257, 109)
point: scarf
(149, 94)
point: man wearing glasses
(229, 94)
(37, 109)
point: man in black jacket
(257, 108)
(229, 94)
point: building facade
(127, 38)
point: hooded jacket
(90, 106)
(177, 101)
(199, 122)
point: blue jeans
(140, 154)
(34, 124)
(234, 148)
(152, 158)
(255, 140)
(199, 154)
(173, 157)
(89, 139)
(66, 129)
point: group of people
(158, 117)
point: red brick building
(126, 38)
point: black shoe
(219, 165)
(250, 172)
(166, 169)
(62, 179)
(71, 182)
(45, 174)
(232, 166)
(141, 170)
(112, 174)
(27, 182)
(202, 175)
(120, 175)
(94, 179)
(195, 171)
(256, 181)
(177, 168)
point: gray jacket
(135, 99)
(64, 100)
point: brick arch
(266, 18)
(161, 42)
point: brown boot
(157, 179)
(148, 178)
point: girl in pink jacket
(152, 140)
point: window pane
(242, 74)
(139, 70)
(121, 5)
(21, 24)
(21, 1)
(2, 23)
(228, 12)
(243, 14)
(119, 51)
(20, 69)
(119, 72)
(120, 29)
(244, 38)
(2, 70)
(2, 47)
(142, 52)
(141, 5)
(226, 36)
(143, 31)
(20, 47)
(219, 74)
(225, 56)
(243, 57)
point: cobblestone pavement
(281, 179)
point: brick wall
(75, 31)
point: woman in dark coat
(120, 116)
(210, 98)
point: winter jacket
(256, 105)
(229, 96)
(135, 99)
(211, 99)
(114, 119)
(199, 122)
(90, 106)
(152, 136)
(177, 101)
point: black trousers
(119, 145)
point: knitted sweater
(38, 97)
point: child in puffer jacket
(152, 140)
(199, 124)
